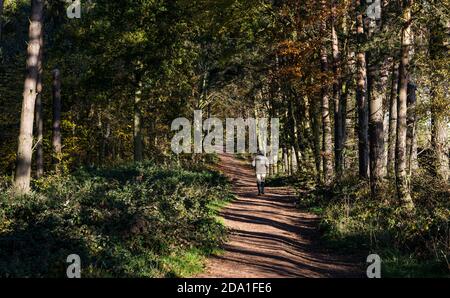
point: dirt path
(269, 237)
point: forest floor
(269, 237)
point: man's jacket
(260, 162)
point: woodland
(361, 90)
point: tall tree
(375, 92)
(339, 116)
(411, 134)
(438, 50)
(392, 122)
(56, 138)
(1, 16)
(361, 93)
(402, 179)
(314, 112)
(326, 118)
(39, 116)
(25, 142)
(137, 126)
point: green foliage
(138, 220)
(280, 180)
(409, 244)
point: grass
(184, 263)
(397, 264)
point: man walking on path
(260, 163)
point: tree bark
(326, 119)
(1, 23)
(361, 96)
(56, 138)
(285, 160)
(392, 122)
(439, 143)
(376, 85)
(137, 131)
(39, 117)
(339, 117)
(402, 179)
(411, 135)
(25, 142)
(293, 125)
(439, 105)
(315, 126)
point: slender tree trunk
(137, 135)
(56, 139)
(25, 142)
(294, 160)
(39, 117)
(280, 162)
(402, 179)
(289, 160)
(343, 110)
(376, 85)
(439, 103)
(361, 96)
(411, 136)
(1, 23)
(315, 126)
(339, 124)
(326, 118)
(299, 129)
(439, 143)
(286, 160)
(392, 122)
(293, 124)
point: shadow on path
(269, 237)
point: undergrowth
(410, 245)
(138, 220)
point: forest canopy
(361, 89)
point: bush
(129, 221)
(352, 219)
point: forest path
(269, 237)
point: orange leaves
(289, 54)
(296, 58)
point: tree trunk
(339, 122)
(402, 179)
(361, 96)
(376, 85)
(392, 122)
(1, 23)
(39, 117)
(25, 142)
(137, 131)
(439, 104)
(285, 160)
(287, 157)
(315, 126)
(56, 139)
(439, 143)
(411, 136)
(326, 121)
(293, 125)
